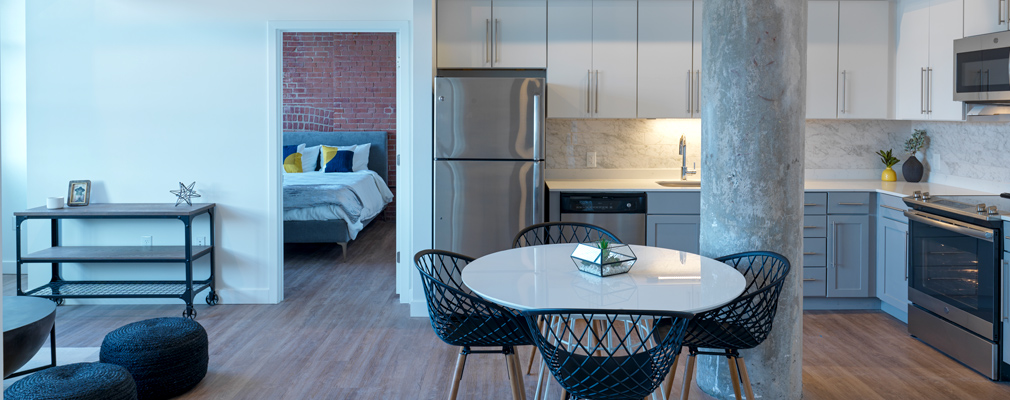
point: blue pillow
(292, 159)
(341, 162)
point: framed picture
(79, 193)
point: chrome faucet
(684, 171)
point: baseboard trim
(901, 315)
(419, 309)
(822, 303)
(10, 267)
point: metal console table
(59, 289)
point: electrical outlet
(146, 241)
(202, 241)
(591, 159)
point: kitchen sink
(690, 184)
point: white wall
(13, 151)
(138, 96)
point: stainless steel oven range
(954, 281)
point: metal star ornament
(185, 193)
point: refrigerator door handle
(537, 134)
(538, 185)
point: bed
(333, 207)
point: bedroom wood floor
(342, 334)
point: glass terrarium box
(603, 258)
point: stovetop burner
(989, 208)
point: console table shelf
(58, 288)
(85, 254)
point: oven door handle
(950, 225)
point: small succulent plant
(888, 158)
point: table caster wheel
(213, 298)
(189, 313)
(59, 302)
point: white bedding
(365, 186)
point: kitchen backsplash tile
(974, 150)
(977, 151)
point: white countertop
(542, 277)
(854, 185)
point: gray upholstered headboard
(378, 157)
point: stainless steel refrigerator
(489, 158)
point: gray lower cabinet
(674, 220)
(892, 265)
(1006, 297)
(677, 232)
(848, 256)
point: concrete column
(752, 111)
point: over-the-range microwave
(982, 68)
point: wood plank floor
(341, 333)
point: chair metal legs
(460, 362)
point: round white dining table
(545, 277)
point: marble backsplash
(974, 150)
(979, 152)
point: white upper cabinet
(665, 62)
(592, 53)
(822, 59)
(924, 59)
(570, 54)
(985, 16)
(864, 59)
(848, 59)
(491, 34)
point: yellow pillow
(292, 160)
(327, 153)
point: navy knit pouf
(81, 381)
(167, 356)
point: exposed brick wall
(342, 82)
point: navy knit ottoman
(166, 356)
(81, 381)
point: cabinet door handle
(690, 92)
(810, 227)
(809, 279)
(697, 90)
(1006, 275)
(922, 91)
(589, 86)
(999, 7)
(929, 90)
(851, 204)
(845, 83)
(907, 259)
(809, 254)
(497, 40)
(487, 41)
(892, 208)
(810, 204)
(597, 100)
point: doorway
(336, 78)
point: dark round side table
(27, 321)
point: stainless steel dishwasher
(623, 214)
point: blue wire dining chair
(461, 318)
(742, 324)
(561, 232)
(608, 354)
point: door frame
(404, 141)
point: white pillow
(360, 160)
(310, 157)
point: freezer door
(497, 118)
(481, 205)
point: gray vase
(912, 169)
